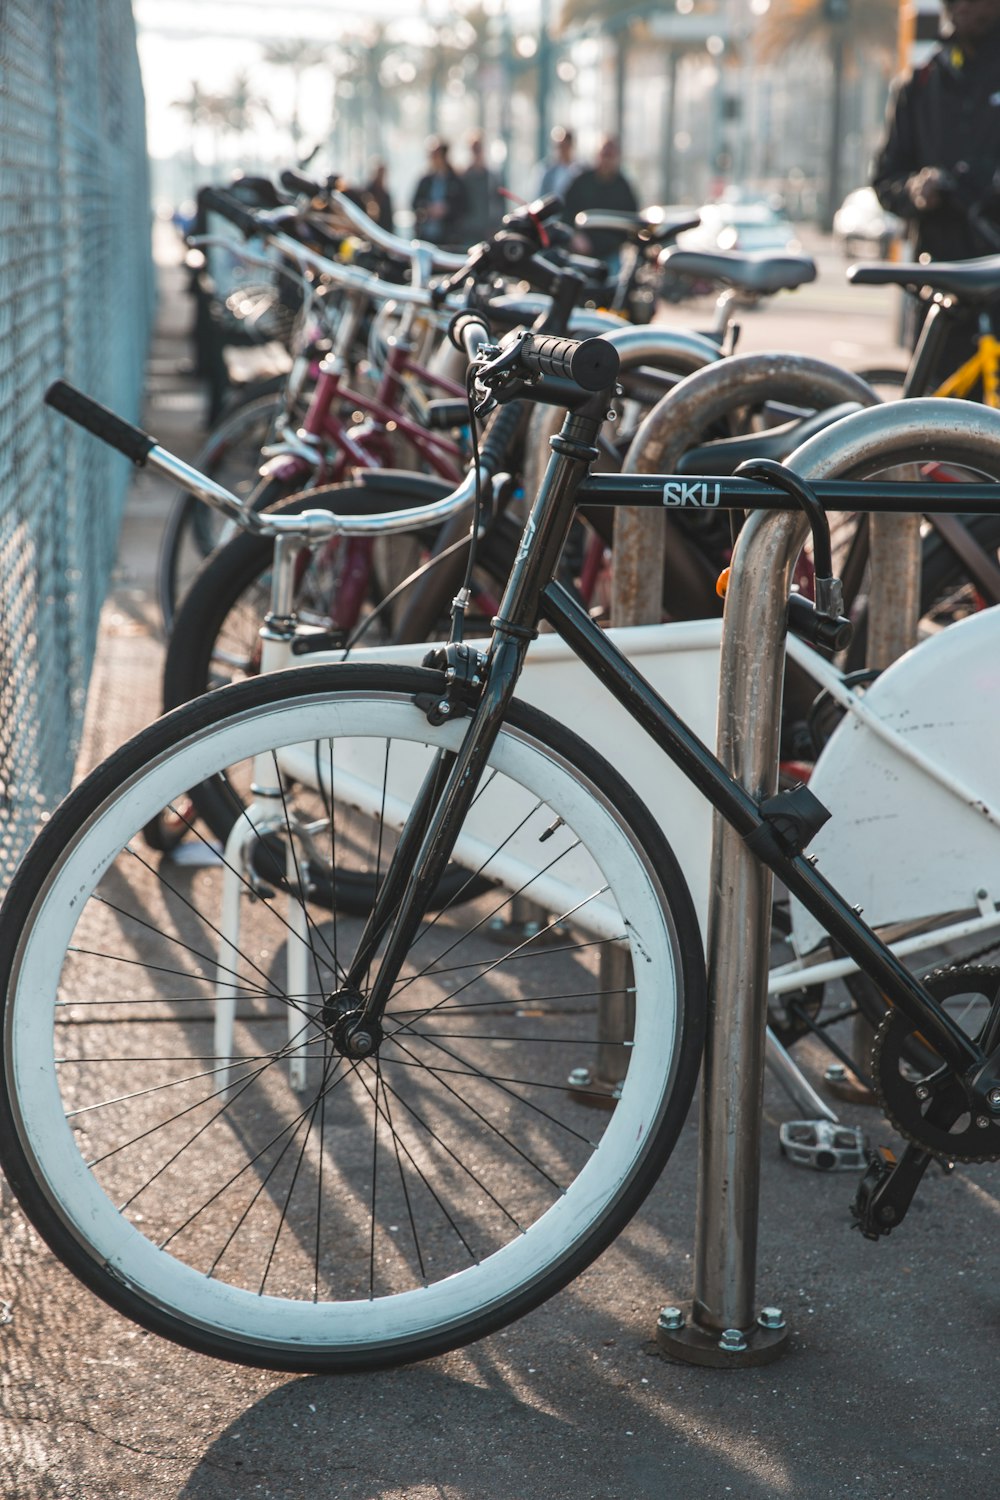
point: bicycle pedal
(824, 1146)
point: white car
(752, 225)
(863, 226)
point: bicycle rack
(674, 424)
(720, 1326)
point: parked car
(754, 224)
(863, 227)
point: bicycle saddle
(655, 225)
(725, 454)
(758, 271)
(970, 280)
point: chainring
(928, 1105)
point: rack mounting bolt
(771, 1317)
(732, 1341)
(670, 1318)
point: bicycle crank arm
(887, 1189)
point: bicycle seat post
(278, 629)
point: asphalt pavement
(884, 1393)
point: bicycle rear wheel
(359, 1214)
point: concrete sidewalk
(885, 1392)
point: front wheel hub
(354, 1034)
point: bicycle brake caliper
(464, 669)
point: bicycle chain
(909, 1102)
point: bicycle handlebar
(443, 260)
(230, 208)
(469, 332)
(592, 364)
(296, 182)
(589, 364)
(97, 419)
(650, 225)
(313, 526)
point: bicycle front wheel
(177, 1119)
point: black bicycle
(341, 1141)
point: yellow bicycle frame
(984, 365)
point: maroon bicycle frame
(336, 447)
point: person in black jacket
(439, 199)
(941, 150)
(603, 185)
(375, 193)
(940, 155)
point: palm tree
(846, 30)
(221, 113)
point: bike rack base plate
(694, 1344)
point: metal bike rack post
(894, 551)
(721, 1325)
(675, 423)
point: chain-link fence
(75, 300)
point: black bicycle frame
(531, 593)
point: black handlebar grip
(297, 182)
(104, 424)
(467, 331)
(592, 364)
(230, 208)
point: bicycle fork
(432, 829)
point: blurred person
(439, 200)
(484, 205)
(558, 172)
(601, 186)
(940, 152)
(378, 203)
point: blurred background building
(767, 96)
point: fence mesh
(76, 296)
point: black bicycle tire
(662, 1127)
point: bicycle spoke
(256, 1172)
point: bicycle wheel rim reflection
(387, 1209)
